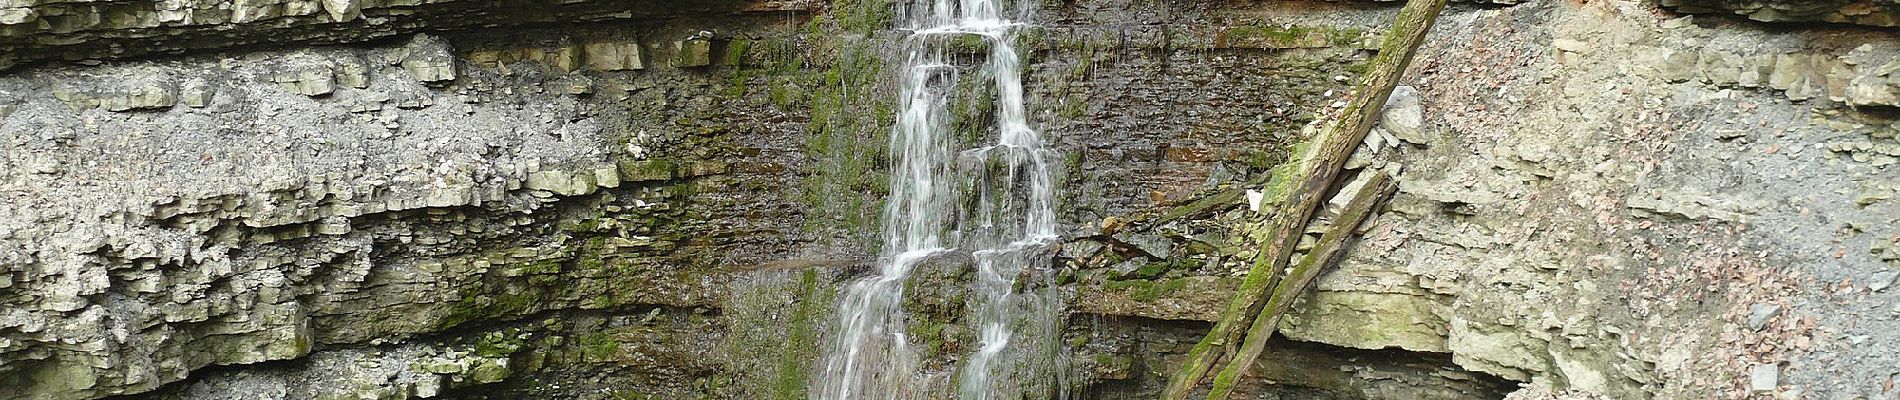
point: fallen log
(1375, 191)
(1320, 168)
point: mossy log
(1320, 168)
(1375, 191)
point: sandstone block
(611, 56)
(146, 96)
(562, 182)
(428, 59)
(311, 81)
(564, 59)
(195, 93)
(353, 75)
(1681, 66)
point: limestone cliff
(594, 199)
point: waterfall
(991, 202)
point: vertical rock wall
(659, 200)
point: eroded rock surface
(87, 31)
(339, 199)
(1883, 13)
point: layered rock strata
(448, 199)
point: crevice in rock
(1129, 357)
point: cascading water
(992, 202)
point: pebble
(1764, 377)
(1760, 313)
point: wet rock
(964, 42)
(1154, 245)
(427, 387)
(423, 267)
(692, 52)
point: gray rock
(1885, 13)
(1681, 66)
(353, 75)
(1404, 116)
(562, 182)
(309, 81)
(580, 85)
(1154, 245)
(1721, 68)
(428, 59)
(16, 16)
(1764, 377)
(195, 93)
(342, 10)
(145, 96)
(1881, 280)
(1760, 313)
(1571, 45)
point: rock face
(347, 199)
(40, 30)
(1882, 13)
(1542, 219)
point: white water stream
(992, 202)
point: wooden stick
(1375, 191)
(1321, 167)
